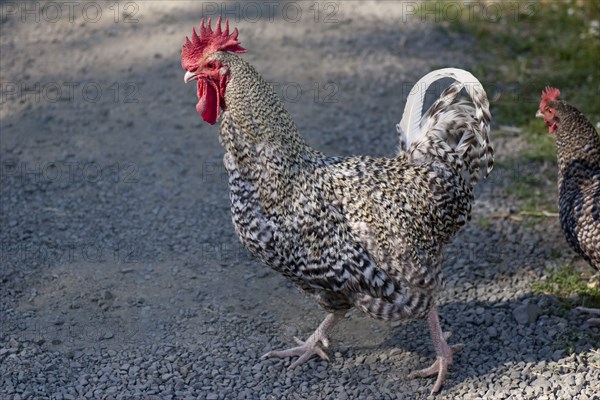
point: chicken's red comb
(208, 42)
(550, 94)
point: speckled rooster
(360, 232)
(578, 152)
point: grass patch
(524, 46)
(534, 176)
(541, 146)
(522, 180)
(573, 339)
(572, 287)
(484, 222)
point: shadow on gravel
(494, 339)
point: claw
(443, 350)
(305, 351)
(439, 367)
(309, 348)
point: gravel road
(121, 275)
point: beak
(539, 114)
(189, 76)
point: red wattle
(209, 101)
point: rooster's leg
(443, 350)
(310, 347)
(591, 321)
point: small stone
(184, 371)
(527, 313)
(541, 383)
(492, 332)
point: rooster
(578, 152)
(354, 232)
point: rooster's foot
(311, 347)
(443, 350)
(305, 350)
(439, 367)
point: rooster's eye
(211, 65)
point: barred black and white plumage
(450, 131)
(578, 153)
(354, 232)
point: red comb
(550, 94)
(208, 42)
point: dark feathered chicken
(578, 151)
(359, 232)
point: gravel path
(121, 276)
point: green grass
(541, 146)
(531, 45)
(524, 184)
(574, 288)
(484, 222)
(572, 338)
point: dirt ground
(121, 275)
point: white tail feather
(410, 125)
(428, 133)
